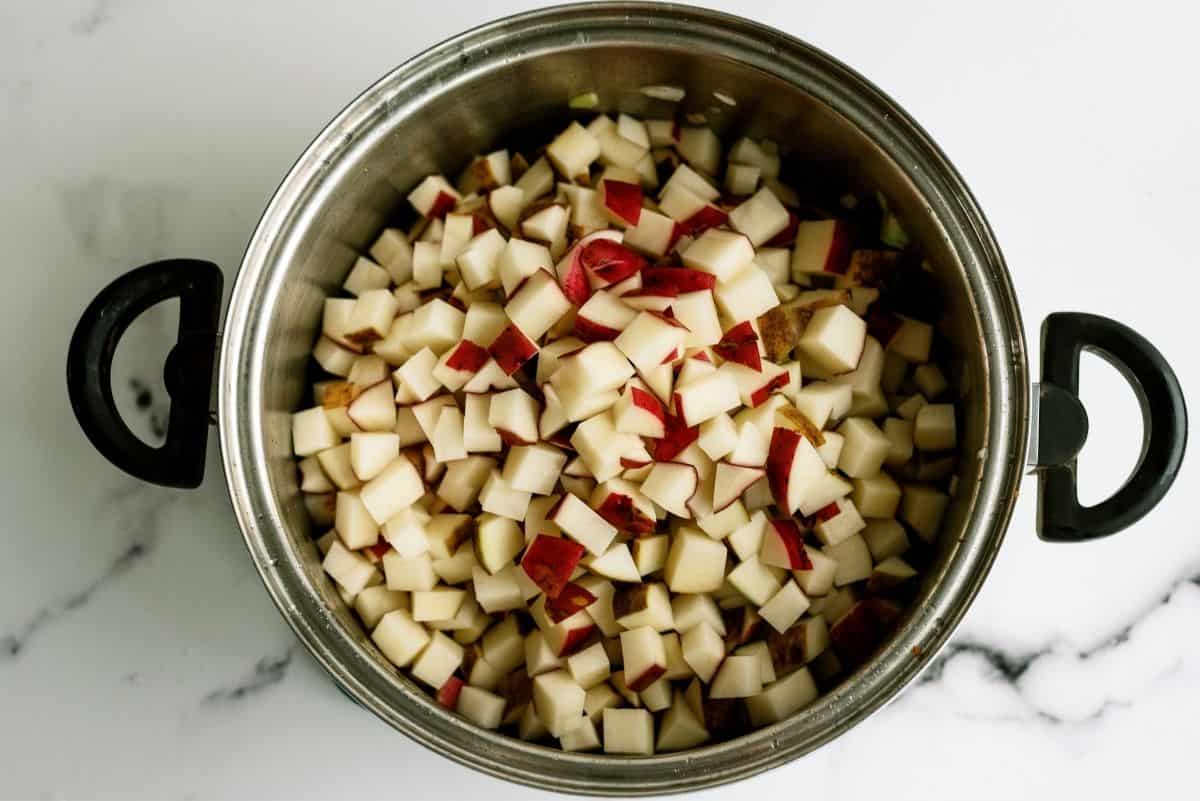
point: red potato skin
(740, 345)
(782, 450)
(786, 237)
(677, 437)
(883, 325)
(708, 217)
(574, 283)
(624, 200)
(479, 224)
(759, 396)
(857, 634)
(550, 561)
(380, 548)
(618, 510)
(648, 677)
(511, 349)
(610, 261)
(679, 279)
(576, 639)
(741, 625)
(569, 601)
(510, 438)
(447, 694)
(838, 257)
(645, 400)
(828, 512)
(590, 331)
(793, 542)
(468, 357)
(516, 688)
(443, 204)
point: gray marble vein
(1013, 669)
(267, 672)
(93, 17)
(139, 509)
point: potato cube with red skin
(644, 657)
(723, 254)
(837, 521)
(438, 661)
(580, 522)
(537, 305)
(550, 561)
(643, 604)
(822, 246)
(783, 546)
(793, 464)
(638, 412)
(434, 197)
(650, 340)
(706, 397)
(567, 603)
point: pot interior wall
(482, 104)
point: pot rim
(395, 699)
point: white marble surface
(139, 655)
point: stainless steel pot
(514, 76)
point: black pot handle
(188, 371)
(1062, 427)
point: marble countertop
(139, 654)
